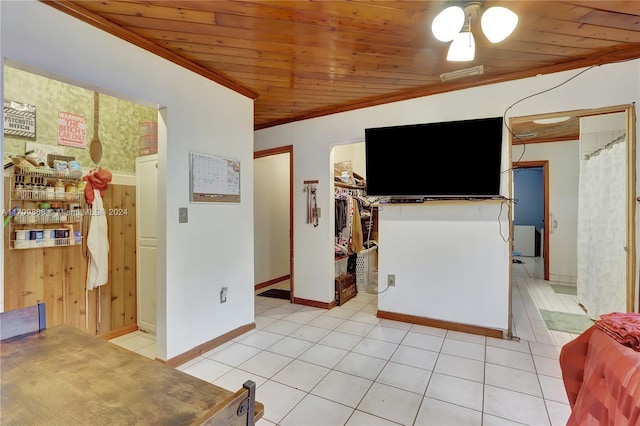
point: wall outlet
(391, 280)
(223, 294)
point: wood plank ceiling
(304, 59)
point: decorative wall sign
(214, 179)
(72, 130)
(19, 119)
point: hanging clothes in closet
(348, 227)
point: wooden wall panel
(57, 275)
(75, 273)
(128, 220)
(118, 293)
(53, 283)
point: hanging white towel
(98, 245)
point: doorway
(596, 131)
(273, 221)
(109, 310)
(538, 200)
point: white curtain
(602, 231)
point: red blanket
(602, 380)
(622, 327)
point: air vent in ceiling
(466, 72)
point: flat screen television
(435, 160)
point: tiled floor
(531, 293)
(347, 367)
(138, 341)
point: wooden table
(66, 376)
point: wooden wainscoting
(57, 275)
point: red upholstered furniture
(602, 380)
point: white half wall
(564, 175)
(215, 248)
(450, 261)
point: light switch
(183, 215)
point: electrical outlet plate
(223, 294)
(391, 280)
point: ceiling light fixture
(552, 120)
(463, 47)
(449, 25)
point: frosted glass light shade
(463, 47)
(552, 120)
(498, 23)
(448, 23)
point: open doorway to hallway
(531, 232)
(273, 222)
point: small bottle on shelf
(59, 190)
(50, 192)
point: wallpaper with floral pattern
(119, 120)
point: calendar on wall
(214, 179)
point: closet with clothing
(355, 237)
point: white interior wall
(215, 248)
(271, 217)
(612, 84)
(355, 153)
(452, 257)
(564, 171)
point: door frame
(276, 151)
(545, 234)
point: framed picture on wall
(213, 179)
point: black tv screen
(433, 160)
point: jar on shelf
(50, 192)
(28, 192)
(19, 191)
(59, 190)
(47, 240)
(80, 185)
(71, 191)
(22, 239)
(38, 192)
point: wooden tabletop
(66, 376)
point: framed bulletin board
(214, 179)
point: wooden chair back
(30, 319)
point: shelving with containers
(46, 207)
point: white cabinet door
(146, 240)
(147, 288)
(147, 196)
